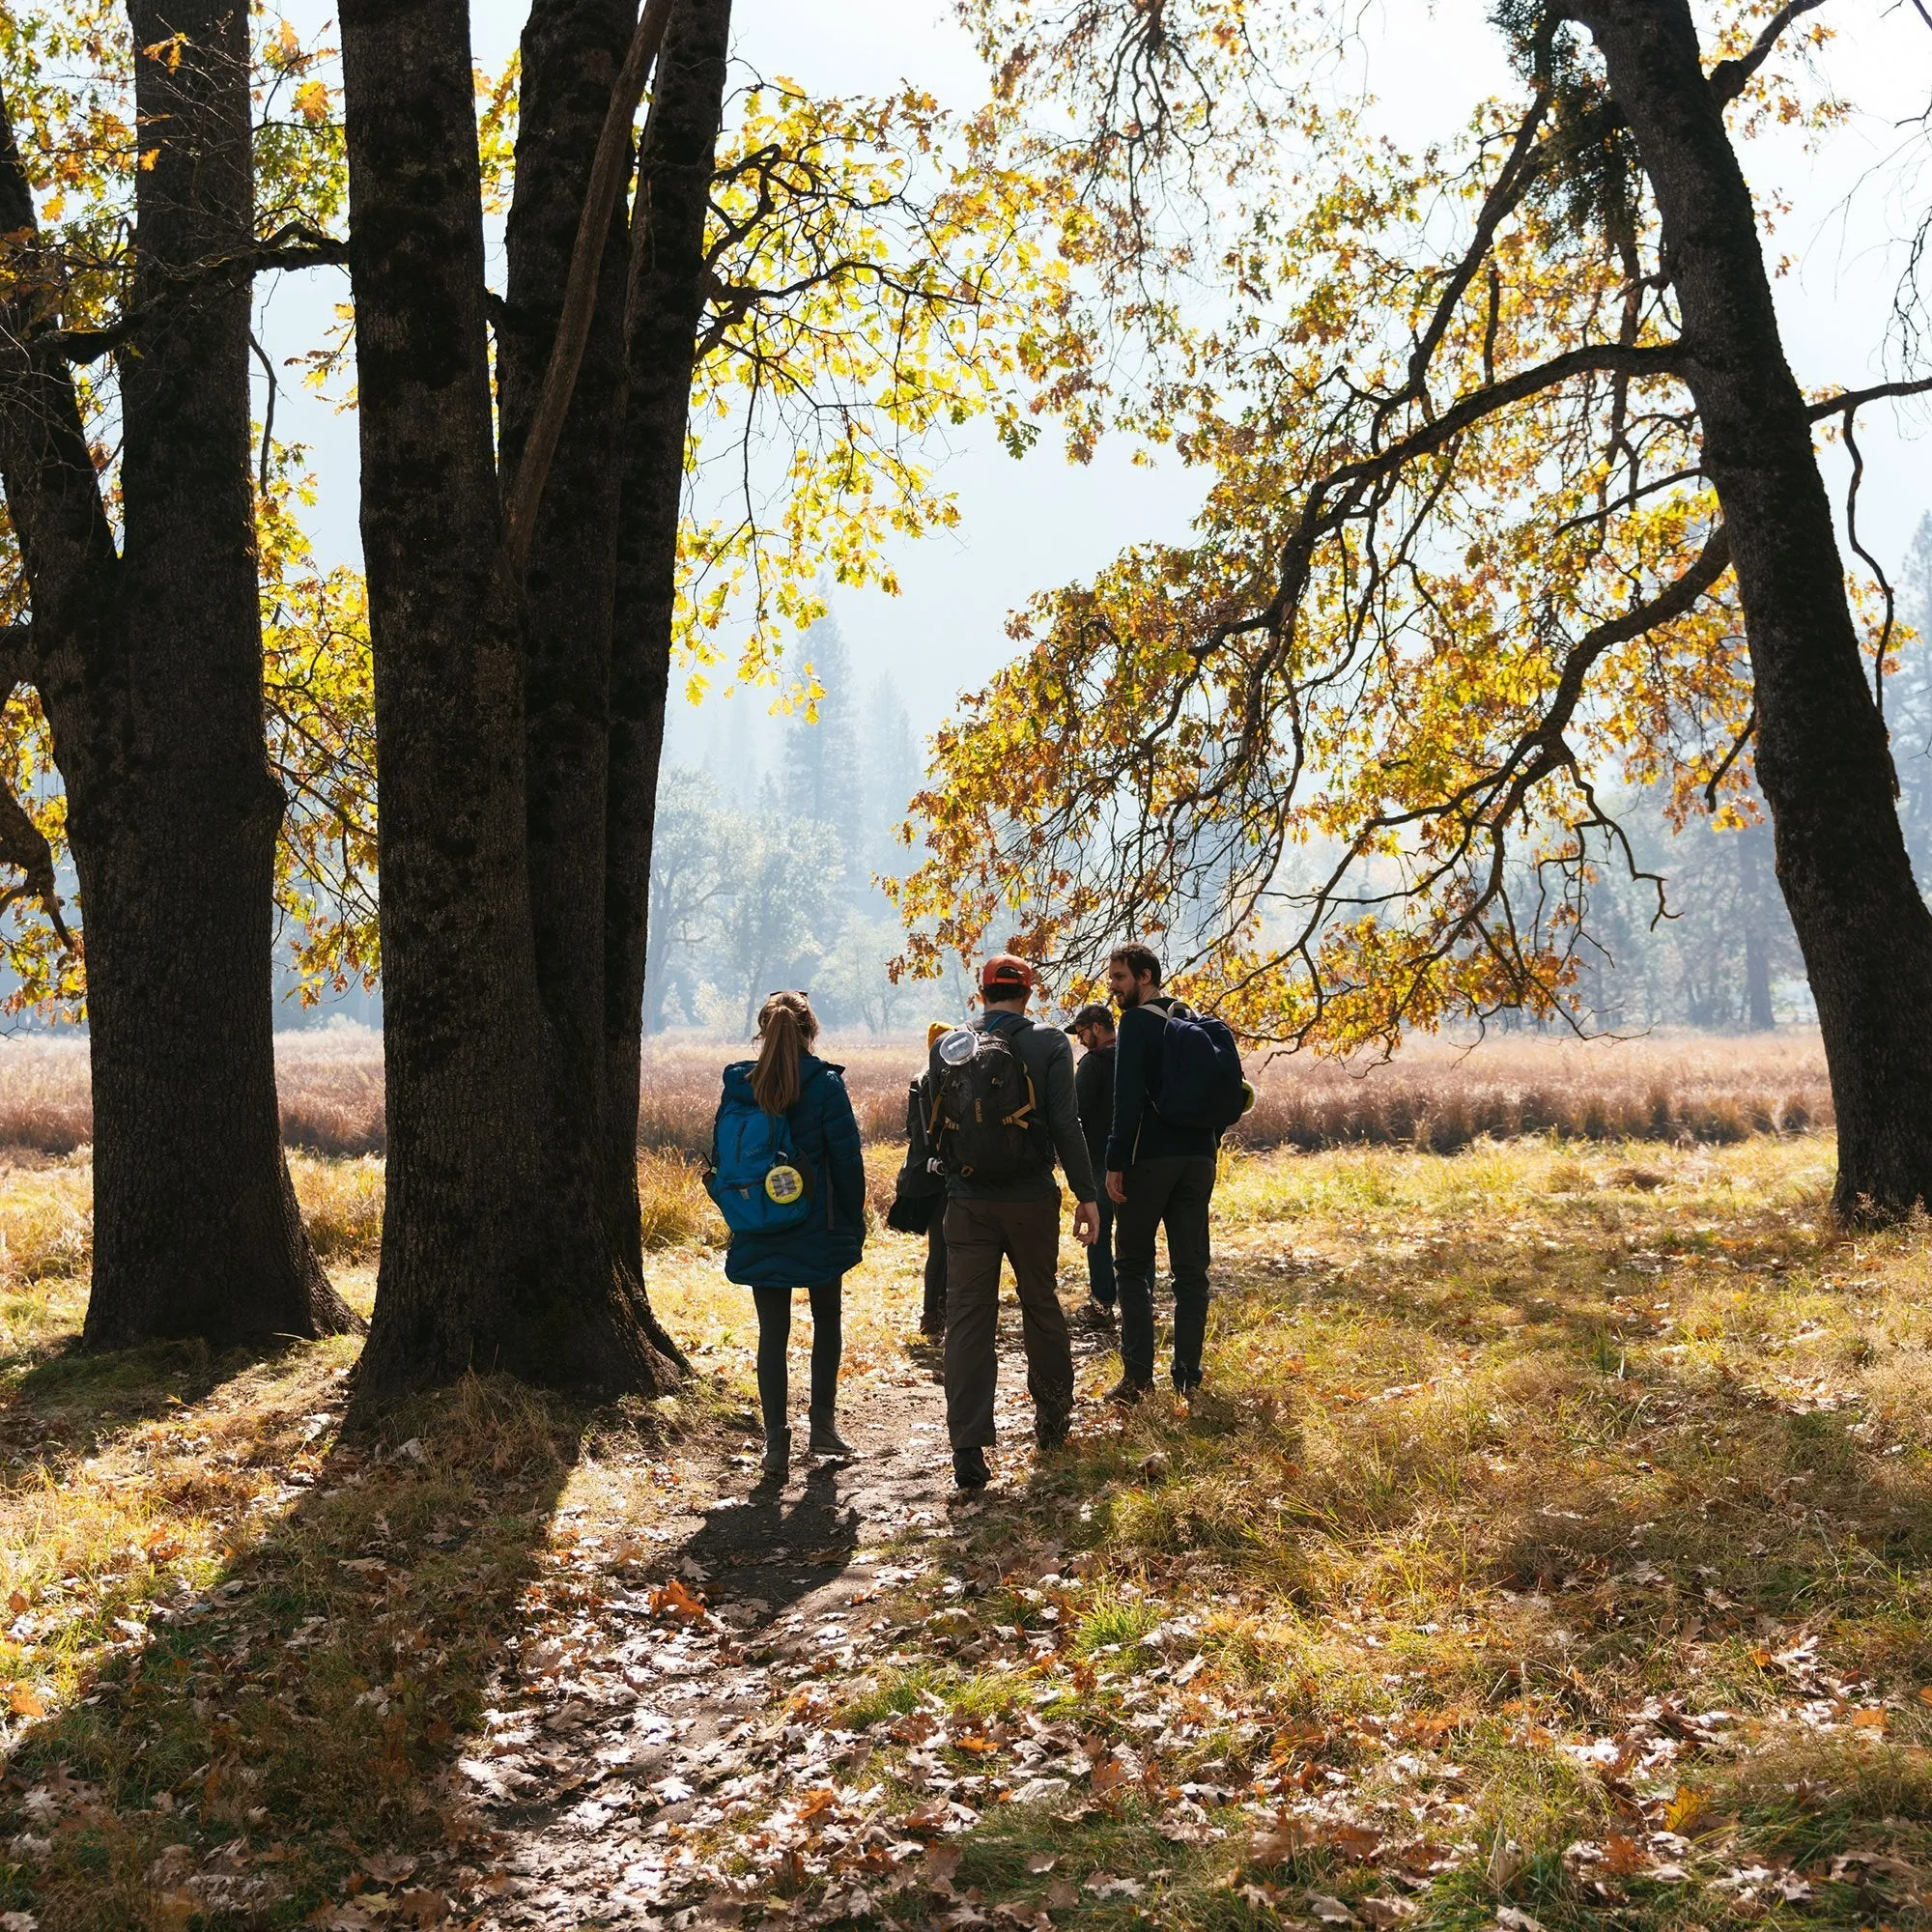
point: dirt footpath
(668, 1759)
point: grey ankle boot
(826, 1440)
(777, 1451)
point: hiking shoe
(826, 1440)
(1184, 1385)
(778, 1453)
(970, 1470)
(1096, 1314)
(1049, 1429)
(1128, 1391)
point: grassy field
(1673, 1086)
(1549, 1546)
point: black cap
(1090, 1014)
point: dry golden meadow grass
(1673, 1087)
(1549, 1546)
(1668, 1087)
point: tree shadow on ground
(70, 1403)
(1488, 1552)
(235, 1762)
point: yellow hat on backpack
(934, 1032)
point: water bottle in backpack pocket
(755, 1174)
(1202, 1085)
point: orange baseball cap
(1007, 972)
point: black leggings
(828, 1345)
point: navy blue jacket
(1139, 1133)
(823, 1248)
(1094, 1095)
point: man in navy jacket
(1158, 1175)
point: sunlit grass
(1498, 1451)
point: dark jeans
(1173, 1191)
(932, 1316)
(828, 1346)
(979, 1234)
(1100, 1256)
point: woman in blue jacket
(788, 1078)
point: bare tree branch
(267, 410)
(1343, 486)
(1729, 77)
(1730, 758)
(23, 843)
(1857, 399)
(293, 246)
(1519, 170)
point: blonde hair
(786, 1028)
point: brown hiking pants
(979, 1234)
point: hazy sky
(1028, 526)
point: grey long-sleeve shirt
(1048, 1057)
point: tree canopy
(876, 273)
(1460, 579)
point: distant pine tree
(823, 776)
(893, 770)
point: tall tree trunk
(571, 53)
(676, 163)
(1822, 760)
(150, 672)
(482, 1266)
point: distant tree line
(763, 879)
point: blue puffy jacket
(831, 1242)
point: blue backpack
(1201, 1080)
(755, 1174)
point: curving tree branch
(294, 245)
(1729, 77)
(608, 169)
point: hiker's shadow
(778, 1542)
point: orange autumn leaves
(1352, 756)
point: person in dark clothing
(1093, 1026)
(788, 1078)
(1016, 1218)
(919, 1197)
(1157, 1176)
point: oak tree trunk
(149, 668)
(571, 53)
(483, 1264)
(676, 163)
(1822, 760)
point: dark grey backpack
(985, 1121)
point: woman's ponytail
(786, 1028)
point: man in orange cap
(1003, 1110)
